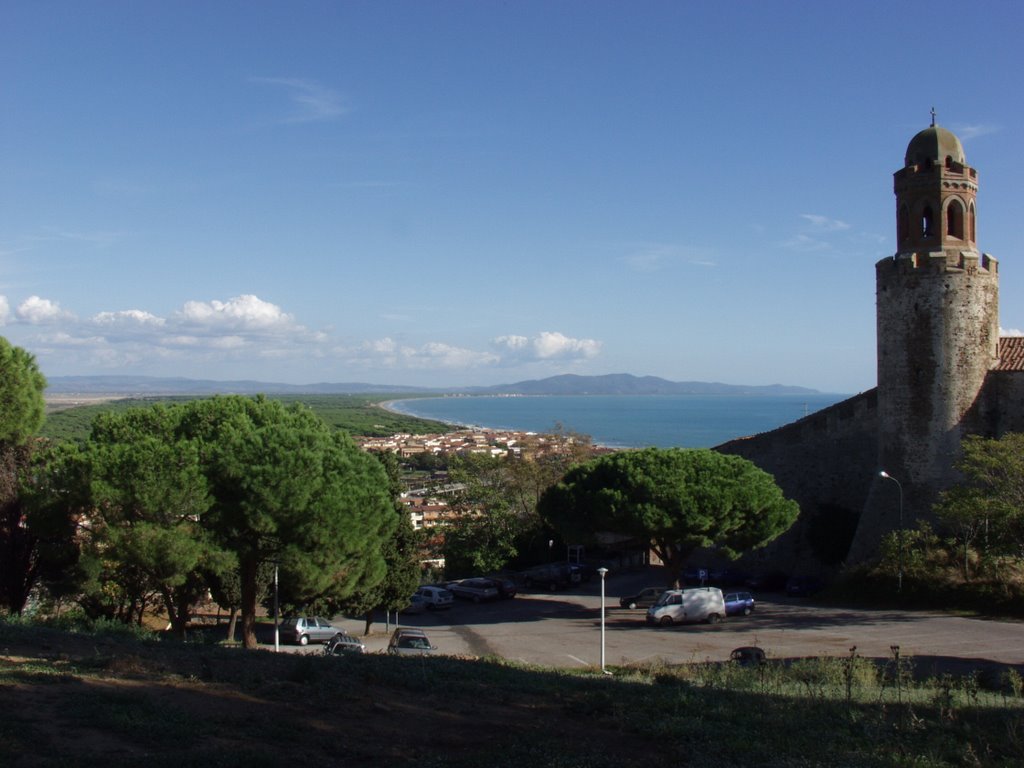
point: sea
(625, 421)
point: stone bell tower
(937, 309)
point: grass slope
(91, 700)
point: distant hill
(567, 384)
(627, 384)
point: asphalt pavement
(563, 629)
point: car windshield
(666, 599)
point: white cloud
(654, 257)
(64, 339)
(802, 242)
(247, 332)
(547, 345)
(968, 132)
(648, 259)
(227, 342)
(246, 312)
(824, 223)
(37, 311)
(512, 342)
(436, 353)
(5, 310)
(432, 354)
(550, 345)
(128, 317)
(238, 330)
(313, 101)
(820, 233)
(1010, 332)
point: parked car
(417, 604)
(552, 576)
(771, 581)
(343, 643)
(476, 589)
(686, 605)
(729, 577)
(303, 629)
(586, 571)
(506, 587)
(645, 598)
(739, 604)
(410, 642)
(802, 586)
(436, 597)
(748, 656)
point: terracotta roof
(1011, 354)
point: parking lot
(562, 629)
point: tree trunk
(19, 549)
(247, 575)
(673, 560)
(369, 621)
(178, 612)
(232, 624)
(18, 559)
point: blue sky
(463, 193)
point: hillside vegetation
(356, 414)
(88, 699)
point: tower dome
(933, 145)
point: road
(563, 630)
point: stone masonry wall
(1000, 409)
(825, 462)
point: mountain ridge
(564, 384)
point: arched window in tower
(970, 225)
(903, 224)
(955, 219)
(927, 222)
(949, 161)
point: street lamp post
(899, 568)
(603, 572)
(277, 624)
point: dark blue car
(739, 604)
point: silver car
(303, 629)
(343, 643)
(410, 642)
(474, 589)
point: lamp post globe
(899, 568)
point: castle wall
(825, 462)
(1000, 407)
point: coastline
(621, 421)
(389, 406)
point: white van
(677, 606)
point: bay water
(625, 421)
